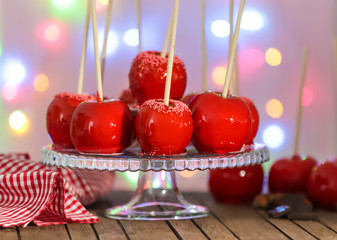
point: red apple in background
(164, 130)
(255, 119)
(290, 175)
(221, 124)
(59, 114)
(104, 127)
(236, 185)
(322, 185)
(127, 97)
(187, 98)
(147, 77)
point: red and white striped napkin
(32, 192)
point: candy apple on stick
(101, 127)
(290, 174)
(164, 126)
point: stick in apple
(299, 106)
(335, 48)
(203, 47)
(84, 50)
(106, 35)
(171, 53)
(233, 50)
(139, 27)
(97, 60)
(167, 37)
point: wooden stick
(233, 49)
(203, 47)
(167, 37)
(84, 51)
(106, 35)
(171, 53)
(299, 106)
(230, 39)
(96, 50)
(139, 26)
(335, 48)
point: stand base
(157, 198)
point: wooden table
(224, 222)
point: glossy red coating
(221, 124)
(164, 130)
(322, 185)
(102, 127)
(290, 175)
(147, 77)
(236, 185)
(255, 119)
(58, 117)
(187, 98)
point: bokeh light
(112, 44)
(132, 177)
(273, 136)
(14, 71)
(52, 32)
(220, 28)
(41, 83)
(9, 91)
(64, 4)
(307, 96)
(274, 108)
(101, 5)
(131, 37)
(252, 20)
(218, 75)
(187, 174)
(18, 122)
(103, 2)
(255, 57)
(273, 57)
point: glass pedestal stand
(157, 196)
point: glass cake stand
(157, 196)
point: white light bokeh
(252, 20)
(14, 71)
(273, 136)
(131, 37)
(220, 28)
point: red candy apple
(103, 127)
(221, 124)
(255, 119)
(164, 130)
(147, 77)
(290, 175)
(236, 185)
(322, 185)
(59, 115)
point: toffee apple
(102, 127)
(127, 97)
(187, 98)
(58, 117)
(237, 185)
(162, 129)
(221, 124)
(255, 119)
(147, 77)
(290, 175)
(322, 185)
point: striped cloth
(32, 192)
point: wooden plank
(52, 232)
(317, 229)
(328, 218)
(243, 221)
(187, 229)
(8, 233)
(288, 227)
(148, 230)
(213, 228)
(109, 229)
(79, 231)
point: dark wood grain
(8, 233)
(187, 229)
(53, 232)
(80, 231)
(328, 218)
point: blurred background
(40, 48)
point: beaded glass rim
(131, 160)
